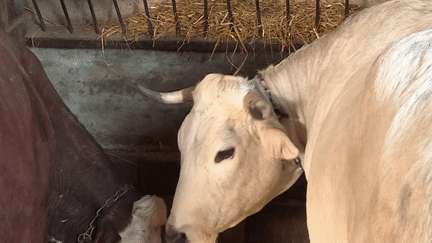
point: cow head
(235, 158)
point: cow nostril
(173, 236)
(182, 238)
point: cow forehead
(217, 118)
(210, 129)
(221, 90)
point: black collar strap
(279, 112)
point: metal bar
(260, 29)
(122, 25)
(205, 18)
(346, 8)
(147, 12)
(4, 16)
(317, 14)
(163, 44)
(39, 15)
(17, 21)
(66, 16)
(230, 15)
(288, 11)
(93, 16)
(176, 17)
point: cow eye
(224, 154)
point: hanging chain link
(86, 236)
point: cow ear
(274, 139)
(257, 106)
(276, 143)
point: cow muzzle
(188, 234)
(173, 236)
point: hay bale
(243, 28)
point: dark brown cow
(53, 174)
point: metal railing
(175, 15)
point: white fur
(342, 94)
(405, 77)
(148, 216)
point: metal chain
(86, 236)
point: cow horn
(174, 97)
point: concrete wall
(97, 88)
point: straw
(275, 27)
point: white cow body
(360, 114)
(370, 176)
(359, 188)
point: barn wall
(97, 87)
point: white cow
(360, 108)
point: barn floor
(282, 220)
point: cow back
(26, 148)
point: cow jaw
(236, 157)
